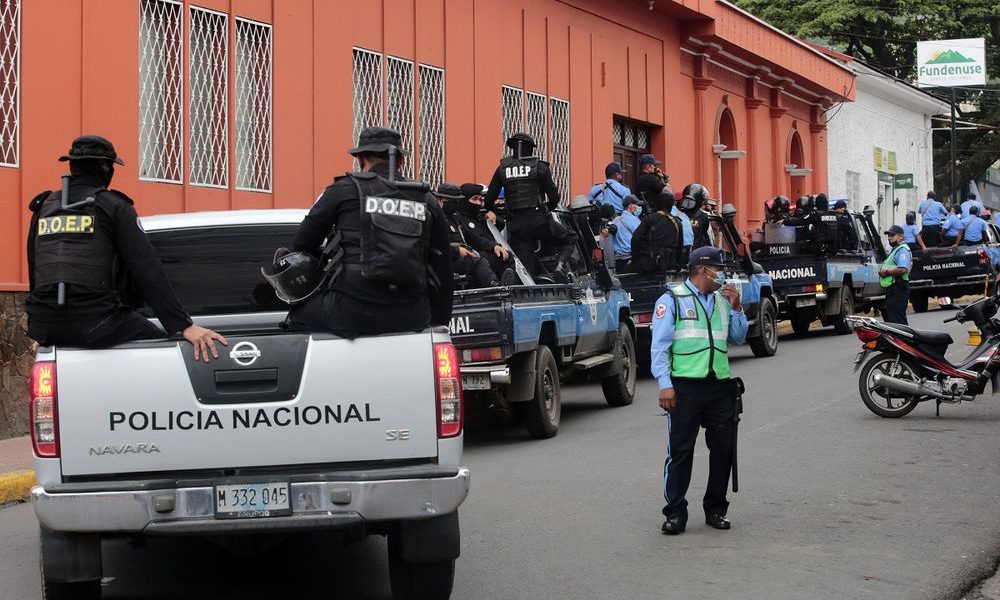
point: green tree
(883, 34)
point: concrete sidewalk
(16, 474)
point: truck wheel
(801, 321)
(766, 344)
(541, 414)
(419, 580)
(840, 324)
(619, 390)
(919, 302)
(55, 549)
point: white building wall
(856, 128)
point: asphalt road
(834, 503)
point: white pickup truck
(283, 433)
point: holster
(736, 388)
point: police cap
(706, 256)
(894, 230)
(378, 140)
(520, 138)
(449, 191)
(839, 204)
(93, 147)
(471, 189)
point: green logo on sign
(949, 56)
(949, 62)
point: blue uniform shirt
(904, 258)
(974, 229)
(952, 225)
(685, 226)
(627, 224)
(968, 203)
(610, 192)
(932, 212)
(663, 331)
(910, 234)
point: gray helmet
(295, 276)
(693, 196)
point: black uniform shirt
(144, 270)
(543, 175)
(700, 225)
(474, 232)
(648, 186)
(339, 205)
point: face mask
(449, 208)
(638, 211)
(720, 278)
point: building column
(755, 214)
(701, 81)
(817, 130)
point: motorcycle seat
(934, 338)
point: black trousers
(477, 269)
(120, 327)
(526, 228)
(497, 263)
(347, 317)
(931, 234)
(946, 241)
(896, 297)
(707, 403)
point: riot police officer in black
(694, 197)
(90, 265)
(472, 217)
(526, 180)
(397, 273)
(828, 229)
(467, 246)
(658, 240)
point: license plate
(476, 381)
(252, 500)
(805, 302)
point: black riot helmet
(911, 217)
(665, 201)
(295, 276)
(804, 204)
(522, 144)
(777, 208)
(822, 202)
(693, 197)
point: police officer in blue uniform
(895, 277)
(397, 272)
(90, 266)
(692, 326)
(932, 216)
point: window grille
(253, 106)
(431, 119)
(367, 90)
(536, 113)
(209, 116)
(10, 71)
(618, 134)
(512, 100)
(630, 137)
(559, 144)
(161, 89)
(641, 138)
(399, 104)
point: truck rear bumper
(191, 510)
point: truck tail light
(984, 257)
(449, 390)
(475, 355)
(44, 409)
(644, 318)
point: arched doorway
(726, 136)
(796, 160)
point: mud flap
(522, 377)
(430, 540)
(71, 557)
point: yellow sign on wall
(892, 163)
(878, 158)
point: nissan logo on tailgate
(244, 353)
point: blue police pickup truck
(825, 286)
(756, 290)
(516, 344)
(956, 272)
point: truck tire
(840, 324)
(541, 414)
(919, 301)
(766, 344)
(55, 548)
(419, 580)
(801, 321)
(619, 389)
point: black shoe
(509, 277)
(718, 521)
(674, 525)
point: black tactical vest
(74, 245)
(830, 229)
(521, 184)
(394, 242)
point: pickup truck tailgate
(267, 400)
(945, 263)
(792, 273)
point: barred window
(161, 85)
(431, 108)
(399, 104)
(253, 106)
(209, 117)
(367, 90)
(512, 101)
(536, 111)
(559, 144)
(853, 185)
(10, 71)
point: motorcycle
(910, 366)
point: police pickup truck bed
(829, 287)
(283, 433)
(755, 292)
(516, 343)
(957, 272)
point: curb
(16, 485)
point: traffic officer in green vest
(895, 277)
(693, 323)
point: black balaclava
(468, 208)
(449, 207)
(100, 171)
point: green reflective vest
(700, 342)
(890, 263)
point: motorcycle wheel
(881, 400)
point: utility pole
(954, 187)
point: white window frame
(404, 124)
(563, 185)
(539, 131)
(508, 126)
(424, 135)
(180, 68)
(360, 124)
(223, 118)
(15, 137)
(269, 149)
